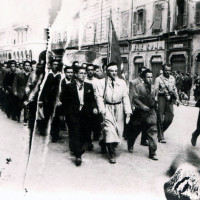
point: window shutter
(157, 19)
(134, 23)
(198, 13)
(144, 20)
(185, 18)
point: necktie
(81, 87)
(112, 83)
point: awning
(156, 59)
(138, 60)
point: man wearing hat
(113, 101)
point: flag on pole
(114, 51)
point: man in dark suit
(49, 95)
(59, 114)
(79, 105)
(19, 86)
(132, 87)
(7, 84)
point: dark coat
(50, 90)
(19, 84)
(71, 103)
(8, 81)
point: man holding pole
(113, 100)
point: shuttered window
(157, 19)
(185, 14)
(134, 23)
(198, 13)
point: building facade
(21, 43)
(150, 33)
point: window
(181, 13)
(124, 24)
(157, 18)
(138, 26)
(198, 13)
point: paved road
(52, 174)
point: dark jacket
(19, 84)
(71, 103)
(8, 81)
(50, 90)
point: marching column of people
(90, 104)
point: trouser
(187, 92)
(10, 106)
(151, 132)
(32, 108)
(48, 109)
(166, 111)
(78, 125)
(196, 133)
(96, 126)
(56, 124)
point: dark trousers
(136, 126)
(48, 109)
(79, 132)
(196, 133)
(56, 123)
(166, 112)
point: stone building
(21, 42)
(150, 33)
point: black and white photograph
(100, 99)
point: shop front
(179, 53)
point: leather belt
(113, 103)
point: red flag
(115, 55)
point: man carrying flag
(113, 101)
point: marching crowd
(94, 105)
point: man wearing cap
(113, 100)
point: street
(51, 172)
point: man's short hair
(111, 64)
(96, 67)
(27, 62)
(77, 69)
(33, 62)
(145, 72)
(12, 62)
(54, 60)
(89, 65)
(166, 65)
(140, 69)
(74, 63)
(66, 68)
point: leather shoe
(90, 147)
(130, 149)
(193, 141)
(153, 157)
(78, 161)
(145, 143)
(112, 160)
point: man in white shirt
(79, 105)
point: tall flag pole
(109, 38)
